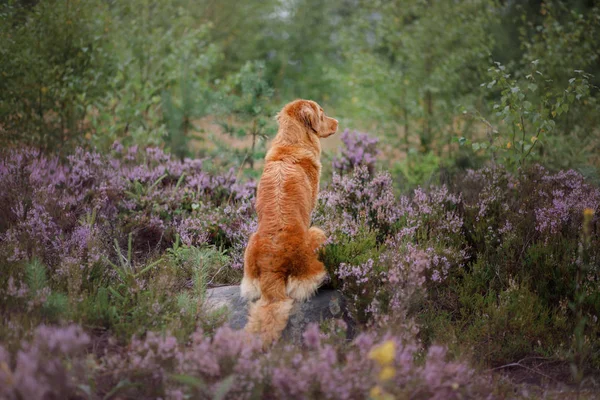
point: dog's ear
(309, 116)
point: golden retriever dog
(280, 261)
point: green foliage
(416, 54)
(56, 60)
(563, 39)
(418, 168)
(527, 112)
(352, 251)
(507, 325)
(247, 97)
(163, 64)
(50, 305)
(202, 265)
(156, 294)
(128, 272)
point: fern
(186, 303)
(35, 276)
(56, 306)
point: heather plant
(524, 231)
(374, 237)
(359, 149)
(234, 365)
(359, 197)
(100, 224)
(30, 292)
(39, 369)
(480, 260)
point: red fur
(280, 262)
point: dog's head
(311, 116)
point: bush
(231, 364)
(105, 222)
(499, 257)
(56, 61)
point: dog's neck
(293, 134)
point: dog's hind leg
(302, 287)
(304, 284)
(250, 286)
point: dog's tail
(269, 315)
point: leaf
(148, 268)
(115, 293)
(223, 388)
(129, 248)
(86, 389)
(123, 384)
(179, 181)
(157, 181)
(190, 381)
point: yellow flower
(387, 373)
(454, 386)
(354, 100)
(533, 139)
(44, 90)
(384, 353)
(588, 213)
(508, 145)
(4, 367)
(377, 393)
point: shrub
(39, 370)
(359, 149)
(233, 364)
(99, 226)
(68, 60)
(494, 250)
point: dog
(280, 260)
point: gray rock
(326, 304)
